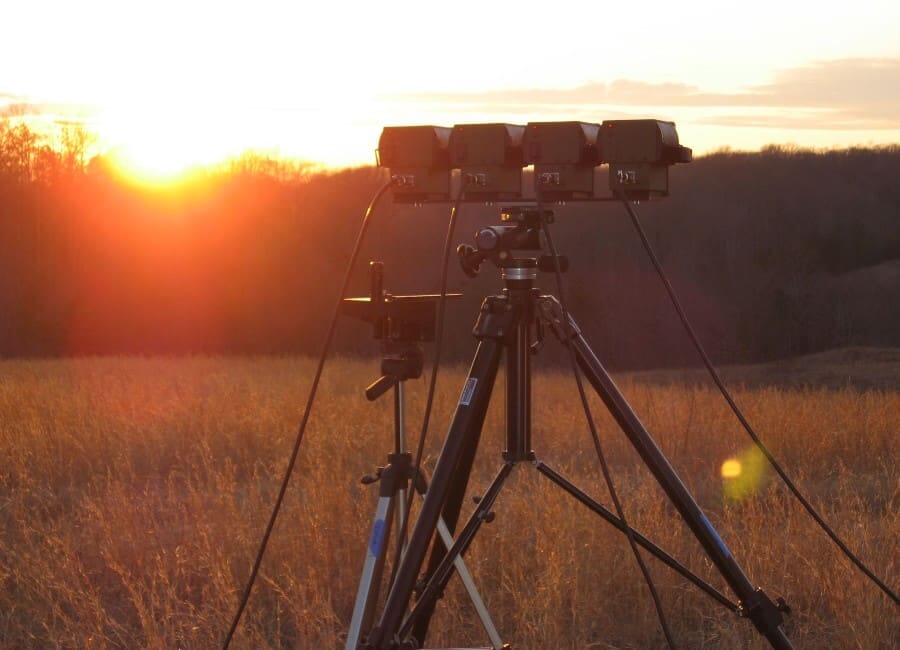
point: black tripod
(505, 325)
(401, 323)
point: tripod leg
(450, 515)
(373, 567)
(438, 581)
(466, 426)
(645, 543)
(400, 513)
(755, 604)
(460, 566)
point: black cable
(438, 348)
(739, 414)
(657, 602)
(309, 402)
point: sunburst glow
(303, 81)
(153, 146)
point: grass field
(133, 494)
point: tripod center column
(521, 297)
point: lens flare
(731, 468)
(743, 474)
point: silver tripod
(401, 322)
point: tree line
(775, 253)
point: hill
(855, 367)
(775, 254)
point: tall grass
(133, 493)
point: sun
(154, 147)
(153, 163)
(153, 144)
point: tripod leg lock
(765, 614)
(496, 320)
(551, 311)
(486, 517)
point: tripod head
(401, 323)
(394, 319)
(520, 231)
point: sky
(170, 83)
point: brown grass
(133, 493)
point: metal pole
(520, 300)
(399, 448)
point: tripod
(401, 322)
(504, 327)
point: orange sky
(172, 83)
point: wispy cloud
(844, 94)
(842, 84)
(17, 106)
(828, 120)
(619, 92)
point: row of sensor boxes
(491, 157)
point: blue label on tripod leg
(377, 538)
(468, 391)
(715, 535)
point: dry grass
(133, 493)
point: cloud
(842, 84)
(827, 120)
(621, 91)
(17, 106)
(843, 94)
(19, 109)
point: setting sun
(155, 146)
(153, 163)
(172, 85)
(159, 145)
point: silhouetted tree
(775, 253)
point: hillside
(774, 254)
(855, 367)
